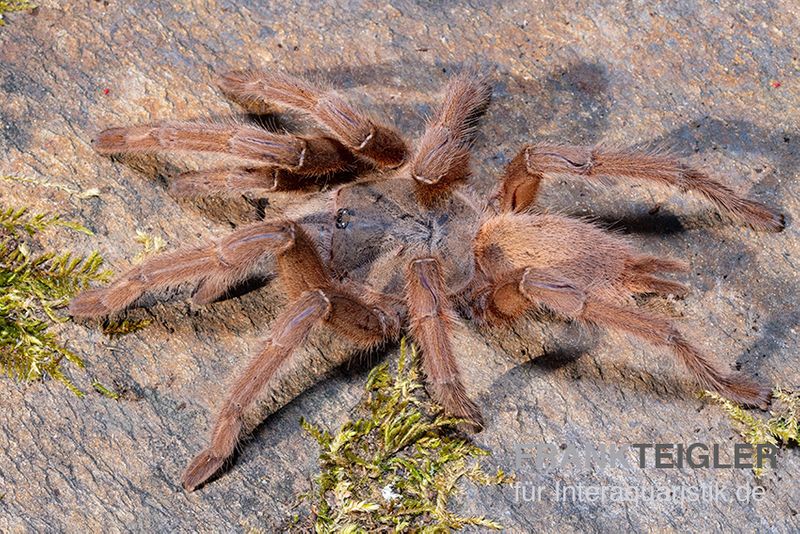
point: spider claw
(473, 419)
(457, 404)
(760, 217)
(111, 141)
(778, 222)
(744, 390)
(203, 467)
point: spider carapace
(406, 245)
(381, 224)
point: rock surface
(719, 84)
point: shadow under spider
(654, 224)
(624, 377)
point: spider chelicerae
(405, 244)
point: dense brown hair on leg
(648, 283)
(360, 133)
(305, 155)
(514, 293)
(275, 88)
(519, 186)
(288, 332)
(640, 275)
(660, 331)
(367, 326)
(442, 153)
(521, 182)
(303, 269)
(227, 182)
(212, 269)
(654, 264)
(431, 325)
(237, 181)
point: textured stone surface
(717, 83)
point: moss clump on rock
(34, 285)
(781, 428)
(395, 468)
(9, 6)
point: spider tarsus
(471, 427)
(452, 397)
(779, 222)
(473, 418)
(653, 264)
(89, 304)
(111, 141)
(741, 388)
(774, 221)
(201, 469)
(735, 386)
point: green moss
(781, 428)
(9, 6)
(34, 286)
(396, 467)
(151, 244)
(121, 327)
(88, 193)
(103, 390)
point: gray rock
(718, 85)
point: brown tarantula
(405, 245)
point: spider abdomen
(581, 252)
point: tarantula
(405, 245)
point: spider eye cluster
(343, 217)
